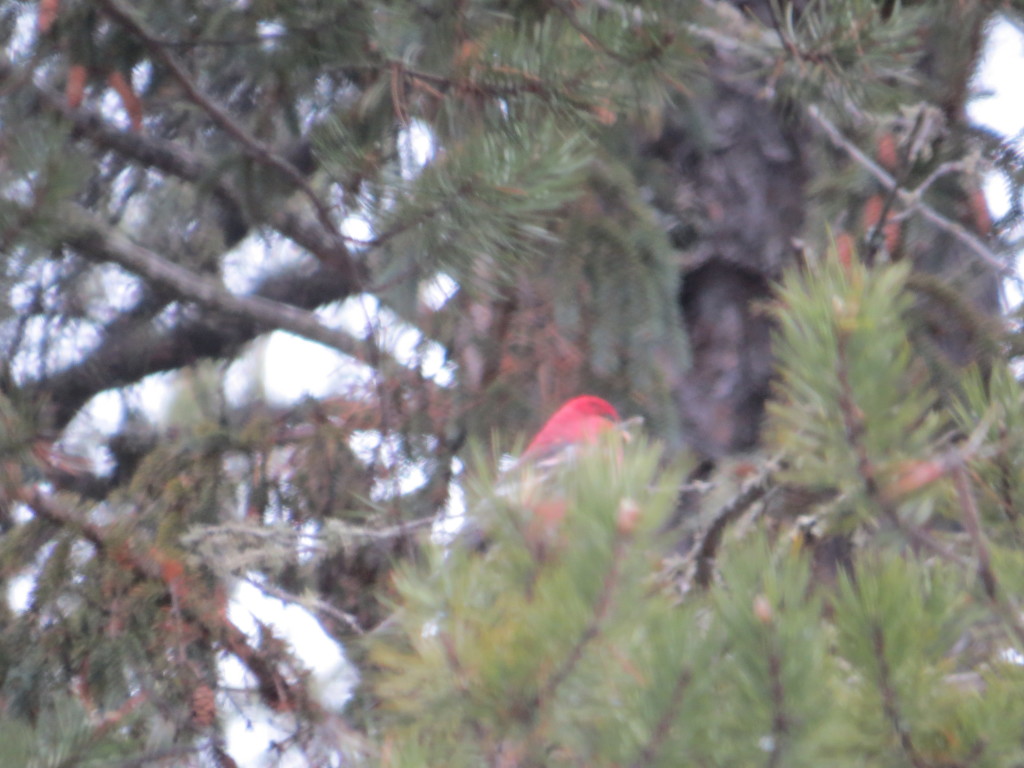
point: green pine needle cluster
(582, 650)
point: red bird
(581, 420)
(578, 422)
(533, 486)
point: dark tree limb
(99, 242)
(132, 349)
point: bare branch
(132, 346)
(317, 605)
(97, 241)
(910, 199)
(704, 550)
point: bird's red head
(580, 420)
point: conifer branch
(569, 13)
(704, 551)
(275, 689)
(875, 237)
(133, 346)
(649, 754)
(909, 198)
(780, 722)
(853, 423)
(972, 524)
(602, 607)
(890, 705)
(179, 161)
(252, 146)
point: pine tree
(757, 225)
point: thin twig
(780, 723)
(570, 16)
(972, 524)
(601, 609)
(649, 754)
(703, 552)
(874, 240)
(320, 606)
(908, 198)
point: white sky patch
(250, 736)
(105, 412)
(256, 257)
(1000, 74)
(370, 446)
(270, 32)
(437, 292)
(250, 606)
(294, 368)
(113, 109)
(23, 39)
(416, 146)
(155, 393)
(142, 73)
(357, 228)
(454, 517)
(114, 291)
(1012, 656)
(60, 344)
(243, 380)
(362, 315)
(21, 585)
(19, 591)
(104, 415)
(1001, 107)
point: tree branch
(275, 688)
(972, 524)
(704, 551)
(890, 705)
(181, 162)
(911, 199)
(98, 242)
(252, 146)
(649, 754)
(133, 347)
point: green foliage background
(179, 180)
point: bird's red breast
(580, 420)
